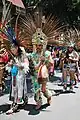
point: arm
(37, 66)
(74, 57)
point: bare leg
(46, 93)
(65, 78)
(72, 77)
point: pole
(6, 11)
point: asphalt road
(65, 105)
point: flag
(18, 3)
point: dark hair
(19, 51)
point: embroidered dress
(40, 78)
(35, 57)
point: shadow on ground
(4, 108)
(54, 78)
(58, 92)
(29, 107)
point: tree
(66, 10)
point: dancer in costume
(4, 57)
(19, 68)
(39, 33)
(70, 65)
(42, 60)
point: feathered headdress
(70, 37)
(8, 35)
(38, 29)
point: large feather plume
(71, 36)
(50, 26)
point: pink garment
(51, 70)
(79, 75)
(43, 72)
(53, 54)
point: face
(39, 48)
(70, 49)
(14, 50)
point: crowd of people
(30, 72)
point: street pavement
(65, 105)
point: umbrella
(18, 3)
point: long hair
(19, 51)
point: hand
(71, 58)
(1, 55)
(21, 67)
(42, 59)
(10, 63)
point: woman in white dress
(19, 68)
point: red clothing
(4, 58)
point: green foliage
(66, 10)
(75, 2)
